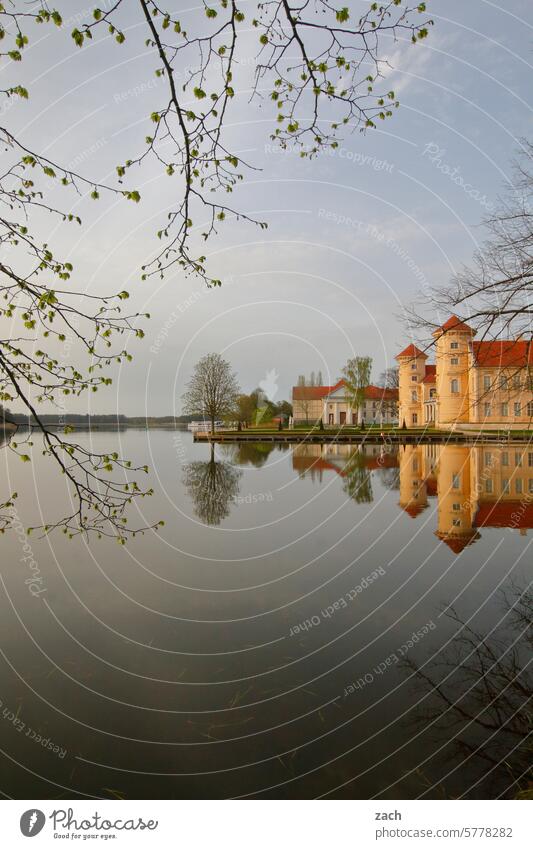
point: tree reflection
(253, 454)
(479, 696)
(358, 478)
(211, 485)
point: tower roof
(411, 351)
(455, 323)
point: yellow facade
(473, 385)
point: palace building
(475, 488)
(329, 403)
(472, 385)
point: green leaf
(78, 37)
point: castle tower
(413, 492)
(457, 503)
(452, 343)
(412, 368)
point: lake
(311, 621)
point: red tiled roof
(314, 464)
(310, 393)
(431, 374)
(411, 351)
(457, 543)
(501, 353)
(380, 393)
(384, 461)
(413, 510)
(504, 514)
(431, 487)
(455, 323)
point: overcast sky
(353, 237)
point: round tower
(456, 500)
(413, 492)
(452, 352)
(412, 370)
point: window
(505, 458)
(454, 385)
(530, 484)
(456, 506)
(503, 381)
(518, 459)
(505, 486)
(354, 418)
(486, 382)
(456, 523)
(413, 366)
(456, 481)
(518, 486)
(505, 409)
(414, 396)
(415, 418)
(517, 408)
(487, 409)
(454, 361)
(432, 393)
(414, 378)
(516, 381)
(488, 486)
(530, 408)
(530, 458)
(454, 346)
(488, 458)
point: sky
(354, 237)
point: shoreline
(370, 438)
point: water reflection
(212, 486)
(481, 487)
(201, 663)
(478, 695)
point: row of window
(504, 409)
(503, 382)
(507, 382)
(504, 458)
(506, 488)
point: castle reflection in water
(489, 486)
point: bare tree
(494, 294)
(320, 71)
(213, 390)
(390, 378)
(356, 375)
(478, 694)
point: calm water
(283, 636)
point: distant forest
(112, 419)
